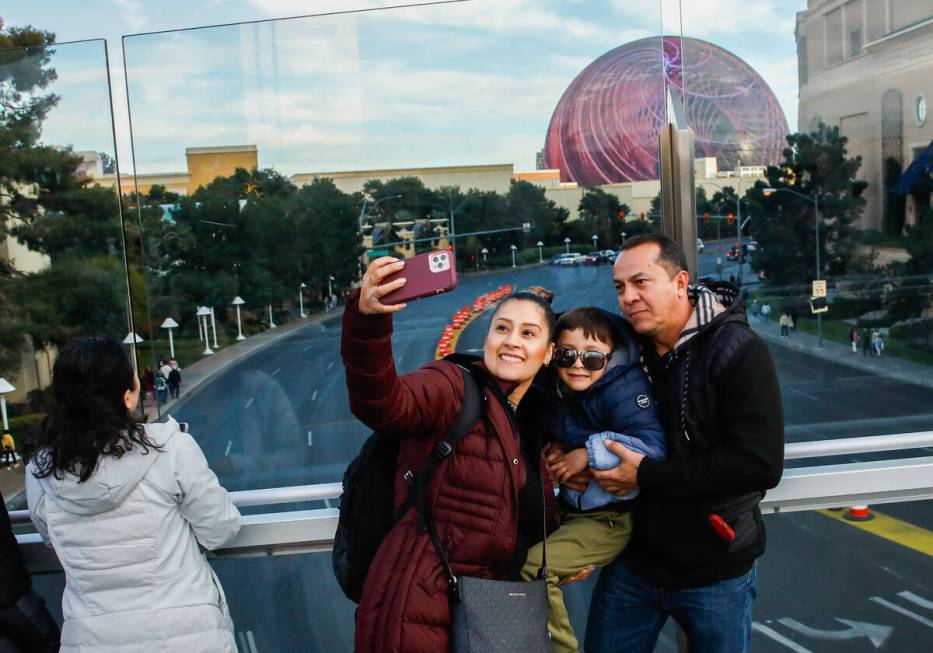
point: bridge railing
(801, 488)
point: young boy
(605, 394)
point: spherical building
(605, 127)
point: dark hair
(594, 322)
(89, 419)
(670, 257)
(536, 295)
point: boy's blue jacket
(619, 406)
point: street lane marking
(314, 396)
(327, 503)
(903, 611)
(306, 348)
(229, 445)
(919, 600)
(779, 638)
(803, 394)
(310, 441)
(895, 530)
(252, 642)
(877, 633)
(248, 402)
(330, 365)
(277, 370)
(398, 361)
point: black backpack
(367, 505)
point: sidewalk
(837, 352)
(198, 373)
(13, 482)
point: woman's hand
(371, 291)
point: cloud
(706, 18)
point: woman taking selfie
(486, 497)
(127, 507)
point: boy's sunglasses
(592, 360)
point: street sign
(819, 288)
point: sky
(387, 85)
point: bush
(25, 426)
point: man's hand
(623, 478)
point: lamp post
(513, 248)
(238, 301)
(567, 244)
(301, 302)
(5, 388)
(484, 251)
(623, 234)
(214, 327)
(271, 323)
(170, 324)
(595, 240)
(768, 192)
(330, 291)
(364, 213)
(201, 335)
(203, 313)
(540, 255)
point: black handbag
(489, 616)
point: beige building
(866, 66)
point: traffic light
(706, 217)
(622, 216)
(642, 215)
(729, 218)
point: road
(281, 418)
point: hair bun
(543, 293)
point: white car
(571, 259)
(700, 246)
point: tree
(600, 214)
(815, 165)
(528, 204)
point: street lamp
(513, 248)
(364, 213)
(330, 292)
(170, 324)
(238, 301)
(567, 244)
(595, 240)
(301, 302)
(540, 256)
(768, 192)
(272, 324)
(5, 388)
(214, 327)
(484, 251)
(623, 234)
(204, 312)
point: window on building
(907, 12)
(855, 43)
(853, 17)
(875, 24)
(834, 38)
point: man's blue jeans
(627, 613)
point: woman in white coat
(128, 508)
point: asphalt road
(281, 418)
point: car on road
(599, 257)
(752, 245)
(700, 245)
(571, 259)
(734, 252)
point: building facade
(866, 66)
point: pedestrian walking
(9, 451)
(130, 510)
(174, 382)
(164, 368)
(866, 342)
(854, 338)
(785, 323)
(161, 389)
(879, 344)
(792, 314)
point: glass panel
(273, 145)
(62, 268)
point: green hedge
(23, 425)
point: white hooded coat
(128, 539)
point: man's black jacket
(720, 406)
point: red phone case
(431, 273)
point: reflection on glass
(62, 271)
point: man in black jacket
(697, 529)
(25, 624)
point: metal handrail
(796, 450)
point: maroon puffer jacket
(404, 607)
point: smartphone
(431, 273)
(183, 427)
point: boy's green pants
(583, 540)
